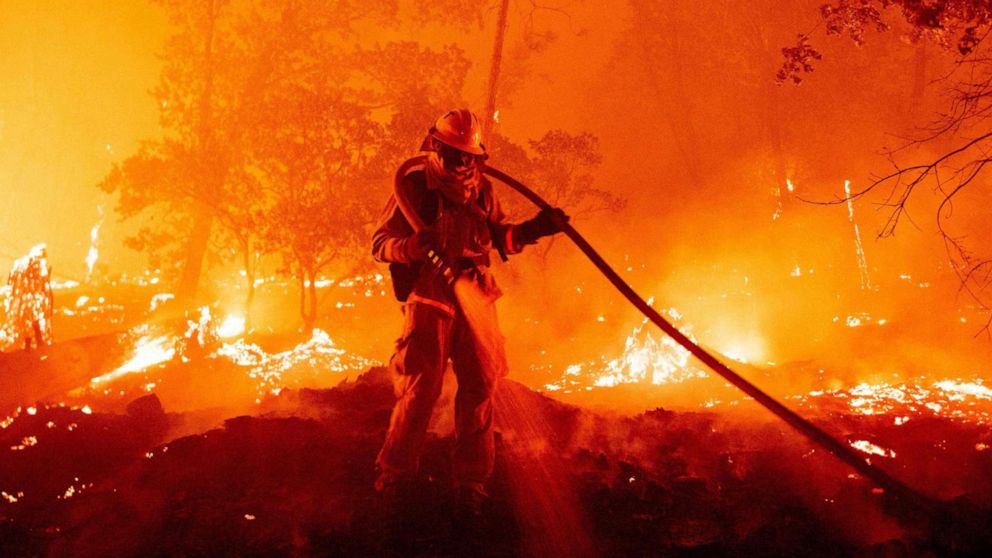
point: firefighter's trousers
(432, 334)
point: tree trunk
(679, 114)
(250, 279)
(196, 249)
(308, 297)
(488, 117)
(208, 175)
(313, 301)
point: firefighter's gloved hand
(546, 223)
(419, 244)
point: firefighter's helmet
(460, 129)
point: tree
(182, 173)
(331, 124)
(311, 151)
(960, 29)
(216, 67)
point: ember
(961, 400)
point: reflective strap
(446, 308)
(511, 248)
(413, 165)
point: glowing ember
(26, 442)
(73, 490)
(872, 449)
(959, 390)
(11, 498)
(952, 399)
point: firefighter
(465, 223)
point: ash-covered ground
(295, 478)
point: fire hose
(812, 432)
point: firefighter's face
(456, 160)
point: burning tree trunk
(489, 117)
(30, 304)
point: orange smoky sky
(73, 99)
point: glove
(417, 245)
(546, 223)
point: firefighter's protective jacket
(466, 234)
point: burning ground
(165, 434)
(186, 438)
(295, 478)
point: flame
(148, 351)
(646, 358)
(319, 353)
(233, 326)
(958, 390)
(93, 253)
(73, 490)
(951, 399)
(872, 449)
